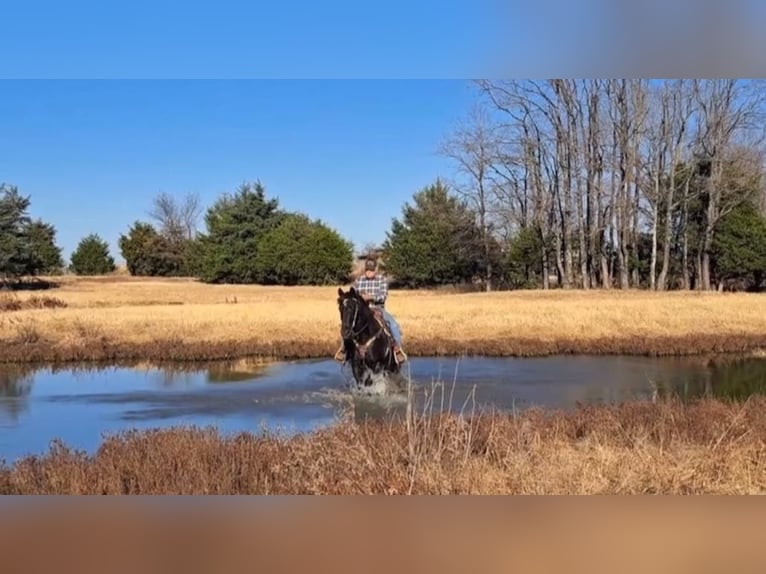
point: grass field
(129, 318)
(662, 448)
(707, 447)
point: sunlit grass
(128, 311)
(638, 448)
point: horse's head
(352, 308)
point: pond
(79, 404)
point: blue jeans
(395, 329)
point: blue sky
(92, 154)
(226, 39)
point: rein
(363, 347)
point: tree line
(561, 183)
(248, 238)
(625, 183)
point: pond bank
(79, 403)
(709, 447)
(102, 348)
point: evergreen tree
(303, 252)
(45, 254)
(149, 253)
(91, 257)
(27, 247)
(739, 248)
(14, 248)
(235, 225)
(436, 242)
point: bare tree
(474, 147)
(521, 188)
(191, 211)
(177, 219)
(669, 111)
(596, 166)
(655, 165)
(627, 113)
(675, 103)
(621, 119)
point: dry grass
(639, 448)
(127, 318)
(12, 302)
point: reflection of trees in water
(739, 379)
(688, 379)
(730, 379)
(175, 377)
(15, 386)
(235, 371)
(16, 380)
(177, 373)
(167, 376)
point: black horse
(367, 341)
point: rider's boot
(340, 354)
(399, 353)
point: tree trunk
(606, 275)
(584, 271)
(653, 262)
(685, 242)
(545, 263)
(635, 211)
(662, 283)
(705, 271)
(698, 271)
(562, 280)
(485, 240)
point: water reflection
(168, 374)
(15, 384)
(17, 380)
(733, 379)
(78, 403)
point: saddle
(378, 314)
(340, 354)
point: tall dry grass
(127, 318)
(10, 301)
(638, 448)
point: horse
(367, 341)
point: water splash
(382, 385)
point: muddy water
(78, 405)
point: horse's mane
(352, 293)
(364, 306)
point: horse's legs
(361, 372)
(359, 369)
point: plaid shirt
(377, 287)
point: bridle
(362, 347)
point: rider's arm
(381, 293)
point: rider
(373, 287)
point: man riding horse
(373, 288)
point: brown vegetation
(12, 302)
(669, 448)
(178, 319)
